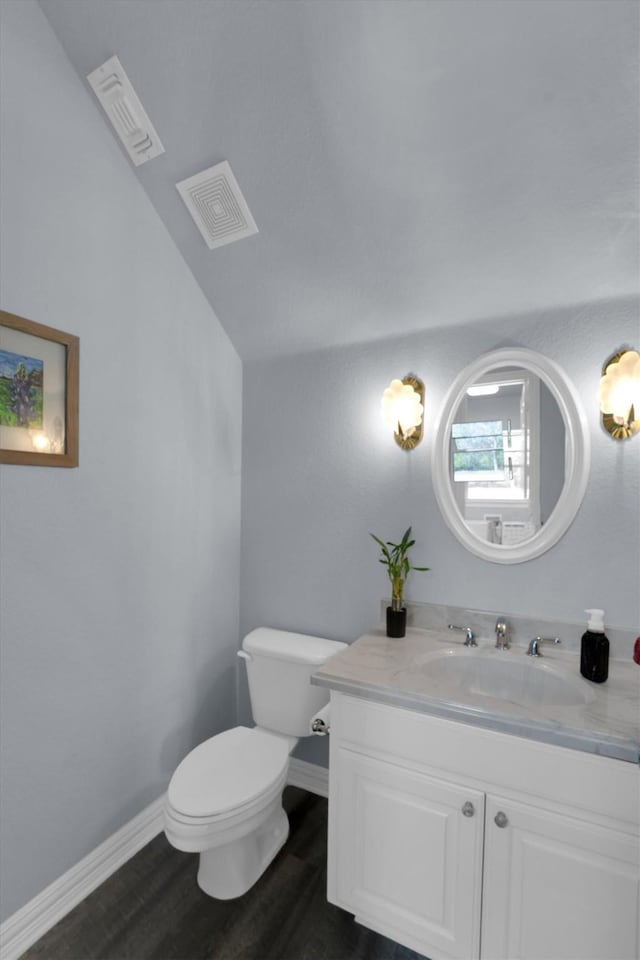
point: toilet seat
(228, 775)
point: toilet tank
(279, 670)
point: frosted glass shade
(619, 390)
(401, 405)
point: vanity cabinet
(557, 887)
(462, 842)
(406, 858)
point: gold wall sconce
(619, 394)
(403, 409)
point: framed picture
(39, 372)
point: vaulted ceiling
(408, 164)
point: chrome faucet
(470, 640)
(503, 641)
(534, 645)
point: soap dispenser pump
(594, 649)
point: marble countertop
(397, 672)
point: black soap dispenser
(594, 649)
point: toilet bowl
(224, 800)
(225, 803)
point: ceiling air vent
(214, 200)
(114, 91)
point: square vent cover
(113, 89)
(214, 200)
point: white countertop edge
(600, 744)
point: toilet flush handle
(243, 655)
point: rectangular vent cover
(214, 200)
(129, 118)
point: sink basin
(505, 675)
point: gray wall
(119, 602)
(320, 472)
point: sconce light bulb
(401, 407)
(619, 390)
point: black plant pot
(396, 622)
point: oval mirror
(511, 457)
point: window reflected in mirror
(477, 455)
(505, 481)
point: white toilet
(225, 799)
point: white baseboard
(308, 776)
(33, 920)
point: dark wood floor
(152, 909)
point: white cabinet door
(557, 887)
(406, 855)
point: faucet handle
(534, 645)
(503, 640)
(470, 640)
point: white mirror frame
(577, 455)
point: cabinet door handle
(501, 819)
(468, 809)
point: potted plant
(394, 557)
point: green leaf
(395, 559)
(405, 538)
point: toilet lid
(227, 771)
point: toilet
(224, 800)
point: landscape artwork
(21, 380)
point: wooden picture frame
(39, 379)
